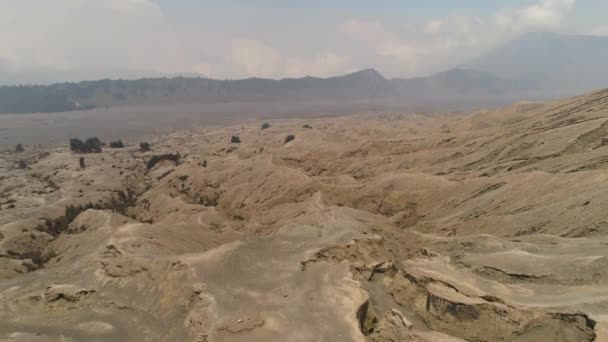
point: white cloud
(433, 26)
(81, 34)
(327, 64)
(365, 30)
(141, 7)
(600, 31)
(205, 69)
(384, 42)
(102, 38)
(101, 35)
(416, 50)
(404, 54)
(545, 14)
(441, 43)
(253, 58)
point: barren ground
(487, 227)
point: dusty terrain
(487, 227)
(135, 123)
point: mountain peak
(368, 74)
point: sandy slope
(489, 227)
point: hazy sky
(271, 38)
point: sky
(88, 39)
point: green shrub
(265, 125)
(76, 145)
(235, 139)
(91, 145)
(289, 138)
(117, 144)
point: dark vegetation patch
(174, 157)
(235, 139)
(164, 175)
(118, 204)
(117, 144)
(289, 138)
(91, 145)
(144, 146)
(39, 258)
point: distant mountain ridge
(366, 86)
(534, 66)
(359, 86)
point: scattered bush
(144, 146)
(118, 204)
(81, 162)
(117, 144)
(235, 139)
(58, 225)
(39, 259)
(158, 158)
(91, 145)
(265, 125)
(306, 126)
(76, 145)
(22, 164)
(289, 138)
(19, 148)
